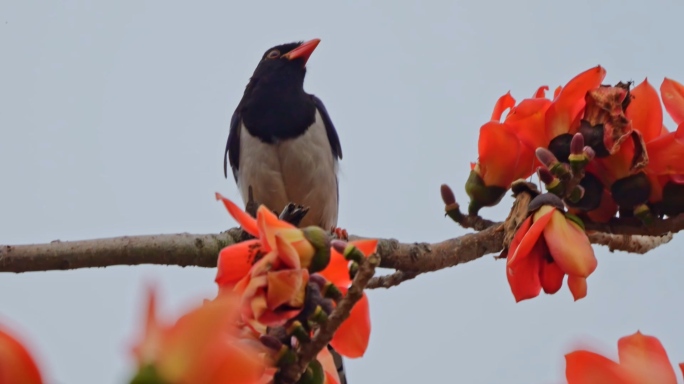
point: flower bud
(314, 374)
(631, 191)
(552, 183)
(297, 330)
(673, 199)
(643, 212)
(592, 195)
(318, 316)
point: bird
(282, 146)
(282, 142)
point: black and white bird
(282, 144)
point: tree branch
(202, 250)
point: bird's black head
(285, 65)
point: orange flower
(642, 360)
(563, 115)
(16, 363)
(539, 256)
(203, 346)
(506, 149)
(351, 338)
(271, 272)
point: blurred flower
(539, 256)
(271, 272)
(351, 338)
(16, 363)
(642, 359)
(203, 346)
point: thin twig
(310, 350)
(388, 281)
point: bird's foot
(293, 213)
(339, 233)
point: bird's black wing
(232, 153)
(329, 128)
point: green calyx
(320, 241)
(148, 375)
(480, 194)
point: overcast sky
(113, 121)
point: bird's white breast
(302, 170)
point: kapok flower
(351, 338)
(642, 360)
(203, 346)
(271, 272)
(642, 166)
(16, 363)
(539, 256)
(506, 149)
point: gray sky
(114, 119)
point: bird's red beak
(303, 51)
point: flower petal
(584, 367)
(351, 338)
(527, 120)
(578, 287)
(268, 224)
(523, 276)
(337, 271)
(499, 152)
(235, 261)
(645, 359)
(551, 276)
(673, 99)
(532, 228)
(16, 363)
(505, 102)
(541, 92)
(570, 101)
(666, 153)
(246, 221)
(287, 286)
(578, 259)
(645, 111)
(185, 344)
(286, 252)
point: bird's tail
(339, 364)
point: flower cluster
(289, 280)
(600, 150)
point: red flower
(506, 150)
(203, 346)
(351, 338)
(16, 363)
(539, 256)
(642, 360)
(272, 271)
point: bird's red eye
(273, 54)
